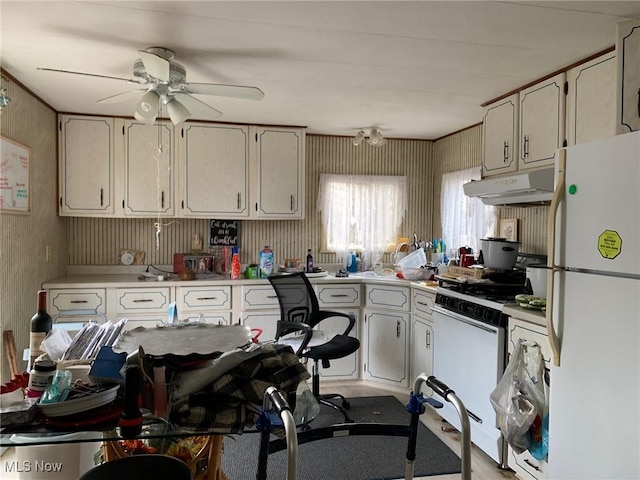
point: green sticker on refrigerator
(609, 244)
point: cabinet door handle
(530, 463)
(238, 200)
(272, 296)
(526, 146)
(142, 300)
(639, 102)
(292, 203)
(162, 199)
(422, 303)
(207, 298)
(101, 197)
(428, 338)
(339, 295)
(398, 329)
(78, 301)
(505, 152)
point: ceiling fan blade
(235, 91)
(155, 65)
(87, 74)
(122, 96)
(196, 106)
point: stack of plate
(80, 404)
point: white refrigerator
(594, 317)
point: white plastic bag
(519, 397)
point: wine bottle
(309, 261)
(40, 326)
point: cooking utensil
(499, 253)
(537, 280)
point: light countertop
(531, 316)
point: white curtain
(465, 220)
(362, 212)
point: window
(361, 212)
(465, 220)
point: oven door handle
(463, 319)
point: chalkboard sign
(15, 177)
(223, 232)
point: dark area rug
(348, 458)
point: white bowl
(415, 273)
(415, 259)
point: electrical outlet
(47, 253)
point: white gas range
(470, 353)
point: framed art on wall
(15, 177)
(509, 229)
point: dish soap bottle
(309, 261)
(235, 264)
(265, 262)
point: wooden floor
(482, 466)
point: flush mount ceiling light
(375, 138)
(357, 140)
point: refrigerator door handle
(551, 246)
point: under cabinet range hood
(533, 187)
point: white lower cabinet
(257, 307)
(213, 303)
(525, 466)
(422, 335)
(145, 307)
(386, 334)
(336, 298)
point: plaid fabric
(232, 403)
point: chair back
(140, 467)
(297, 299)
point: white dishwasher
(469, 356)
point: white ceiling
(415, 69)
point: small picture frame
(509, 229)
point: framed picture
(509, 229)
(15, 177)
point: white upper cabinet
(86, 166)
(542, 122)
(628, 91)
(500, 136)
(214, 170)
(278, 172)
(149, 169)
(591, 100)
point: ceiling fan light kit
(375, 138)
(163, 80)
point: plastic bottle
(235, 264)
(40, 377)
(40, 325)
(265, 262)
(353, 263)
(309, 261)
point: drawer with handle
(259, 297)
(131, 301)
(344, 295)
(423, 303)
(76, 299)
(193, 299)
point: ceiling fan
(161, 81)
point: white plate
(82, 404)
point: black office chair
(300, 312)
(140, 467)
